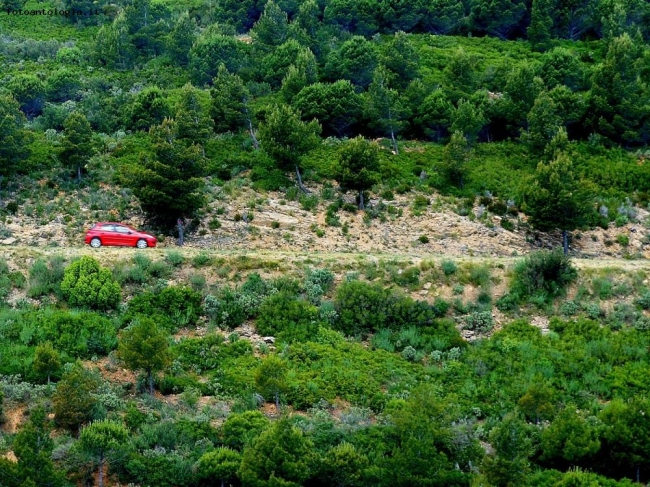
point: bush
(480, 321)
(545, 274)
(409, 277)
(175, 258)
(363, 308)
(644, 300)
(45, 278)
(86, 284)
(448, 267)
(288, 318)
(173, 307)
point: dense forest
(192, 367)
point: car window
(121, 229)
(108, 228)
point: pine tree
(384, 107)
(468, 119)
(272, 28)
(457, 155)
(543, 123)
(271, 378)
(143, 346)
(181, 39)
(74, 401)
(558, 198)
(99, 439)
(77, 146)
(15, 139)
(286, 138)
(229, 106)
(541, 23)
(46, 360)
(358, 166)
(168, 184)
(194, 124)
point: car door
(107, 234)
(124, 236)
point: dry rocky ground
(278, 224)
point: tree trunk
(565, 242)
(181, 229)
(392, 138)
(150, 379)
(100, 475)
(300, 185)
(638, 474)
(362, 206)
(256, 144)
(78, 173)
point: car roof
(113, 223)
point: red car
(111, 233)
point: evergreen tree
(355, 61)
(558, 198)
(336, 106)
(113, 46)
(442, 16)
(434, 115)
(457, 155)
(100, 439)
(271, 378)
(74, 401)
(143, 346)
(384, 107)
(229, 107)
(46, 361)
(619, 98)
(468, 119)
(280, 456)
(33, 449)
(509, 465)
(29, 92)
(501, 18)
(402, 59)
(181, 39)
(220, 465)
(286, 138)
(76, 147)
(272, 28)
(308, 17)
(541, 23)
(148, 108)
(15, 139)
(357, 166)
(210, 51)
(543, 123)
(168, 184)
(194, 124)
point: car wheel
(95, 243)
(142, 244)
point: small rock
(427, 285)
(8, 241)
(424, 292)
(269, 339)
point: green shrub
(408, 277)
(623, 240)
(363, 308)
(308, 202)
(45, 278)
(569, 308)
(644, 300)
(545, 274)
(423, 239)
(320, 277)
(202, 259)
(175, 258)
(480, 321)
(602, 287)
(479, 276)
(288, 318)
(507, 224)
(86, 284)
(448, 267)
(173, 307)
(592, 310)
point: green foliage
(143, 346)
(363, 308)
(15, 148)
(168, 184)
(100, 439)
(174, 306)
(480, 321)
(74, 403)
(287, 318)
(448, 267)
(240, 428)
(281, 455)
(271, 378)
(76, 147)
(358, 166)
(543, 273)
(220, 465)
(86, 284)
